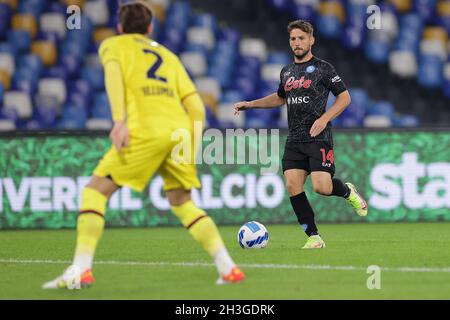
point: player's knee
(293, 188)
(323, 189)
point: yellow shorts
(135, 165)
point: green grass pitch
(165, 263)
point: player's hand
(240, 106)
(318, 127)
(120, 135)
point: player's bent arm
(342, 101)
(271, 101)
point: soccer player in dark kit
(304, 87)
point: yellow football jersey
(155, 83)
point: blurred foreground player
(149, 92)
(304, 86)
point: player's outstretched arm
(119, 135)
(270, 101)
(342, 101)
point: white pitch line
(250, 266)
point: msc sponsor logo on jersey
(336, 79)
(298, 100)
(310, 69)
(292, 83)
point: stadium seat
(97, 11)
(374, 121)
(430, 71)
(401, 5)
(20, 39)
(425, 8)
(201, 36)
(7, 125)
(25, 80)
(271, 72)
(225, 114)
(25, 22)
(208, 85)
(2, 91)
(101, 108)
(195, 62)
(377, 51)
(329, 26)
(446, 85)
(102, 33)
(7, 63)
(92, 60)
(434, 47)
(53, 87)
(98, 124)
(279, 57)
(78, 3)
(20, 101)
(5, 79)
(403, 63)
(94, 76)
(46, 115)
(5, 18)
(53, 22)
(73, 118)
(46, 51)
(232, 96)
(303, 11)
(253, 47)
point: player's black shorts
(309, 156)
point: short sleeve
(281, 93)
(334, 82)
(185, 86)
(108, 51)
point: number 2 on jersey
(151, 73)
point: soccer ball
(253, 235)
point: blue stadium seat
(446, 88)
(6, 47)
(33, 7)
(25, 80)
(73, 117)
(246, 86)
(101, 107)
(5, 18)
(381, 108)
(94, 76)
(2, 90)
(377, 51)
(406, 121)
(46, 115)
(20, 39)
(352, 37)
(279, 57)
(280, 5)
(329, 26)
(425, 8)
(55, 6)
(10, 114)
(232, 96)
(71, 63)
(204, 20)
(430, 71)
(303, 12)
(32, 63)
(56, 72)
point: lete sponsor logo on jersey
(336, 79)
(292, 83)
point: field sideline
(164, 263)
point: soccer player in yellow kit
(151, 96)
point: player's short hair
(135, 17)
(303, 25)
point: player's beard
(301, 56)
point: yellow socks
(204, 230)
(90, 227)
